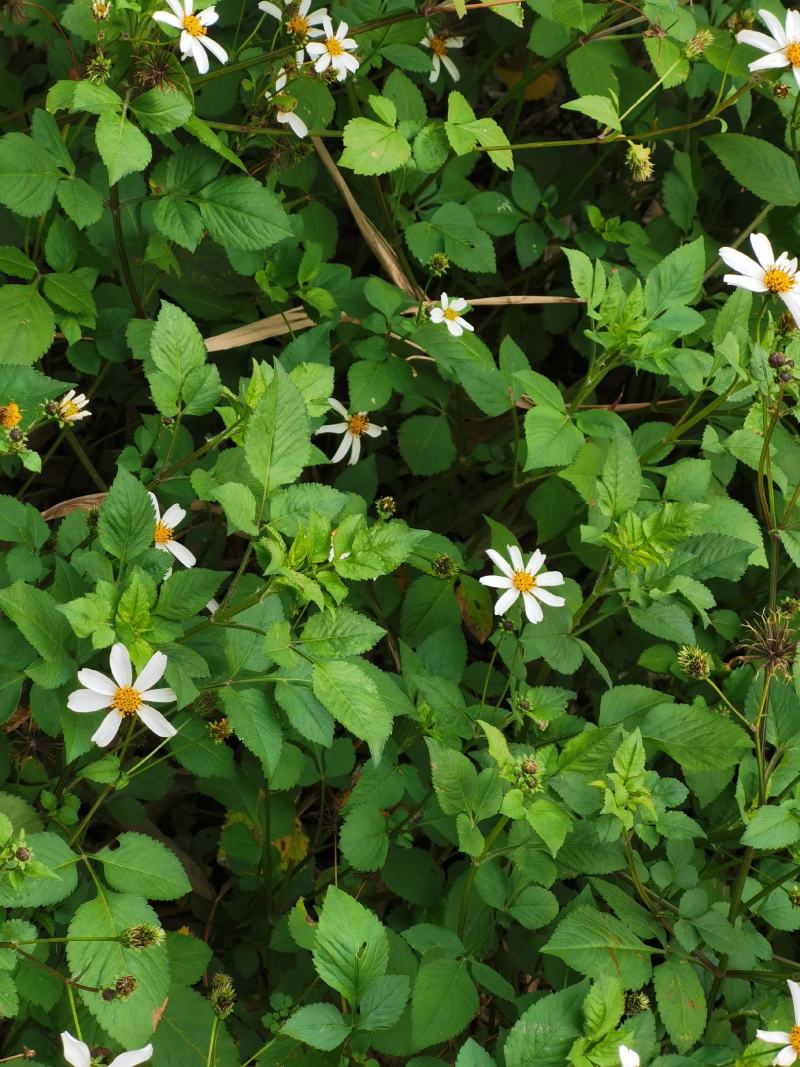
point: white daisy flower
(78, 1054)
(440, 46)
(334, 51)
(627, 1057)
(72, 407)
(123, 696)
(791, 1040)
(771, 274)
(523, 580)
(352, 429)
(782, 48)
(163, 532)
(295, 17)
(450, 314)
(195, 41)
(101, 9)
(285, 105)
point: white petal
(161, 696)
(96, 681)
(173, 515)
(208, 16)
(495, 581)
(794, 990)
(186, 41)
(550, 578)
(131, 1059)
(120, 663)
(760, 244)
(465, 325)
(451, 68)
(341, 33)
(627, 1057)
(84, 700)
(501, 563)
(455, 42)
(774, 25)
(168, 19)
(506, 600)
(515, 556)
(548, 598)
(75, 1052)
(316, 18)
(773, 1037)
(445, 304)
(178, 8)
(108, 729)
(338, 406)
(348, 62)
(792, 301)
(199, 55)
(792, 25)
(355, 451)
(181, 553)
(296, 125)
(796, 72)
(458, 304)
(65, 399)
(533, 610)
(151, 672)
(333, 427)
(316, 50)
(271, 9)
(773, 61)
(374, 431)
(436, 68)
(785, 1058)
(155, 721)
(343, 448)
(436, 315)
(327, 25)
(741, 282)
(454, 327)
(215, 49)
(741, 263)
(758, 40)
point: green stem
(127, 274)
(466, 894)
(212, 1043)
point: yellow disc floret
(334, 46)
(778, 281)
(191, 24)
(792, 53)
(794, 1033)
(162, 534)
(358, 424)
(523, 581)
(450, 315)
(126, 700)
(10, 416)
(438, 46)
(298, 25)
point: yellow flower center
(10, 416)
(450, 315)
(163, 534)
(358, 424)
(191, 24)
(298, 25)
(523, 581)
(69, 410)
(792, 53)
(126, 700)
(778, 281)
(439, 46)
(794, 1033)
(334, 46)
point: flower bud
(694, 661)
(223, 995)
(777, 359)
(439, 264)
(639, 162)
(144, 936)
(698, 44)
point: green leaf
(598, 945)
(184, 1033)
(341, 633)
(16, 263)
(373, 148)
(27, 326)
(80, 201)
(465, 131)
(534, 907)
(698, 739)
(140, 864)
(364, 839)
(101, 963)
(773, 826)
(69, 291)
(277, 439)
(36, 892)
(206, 136)
(255, 724)
(318, 1025)
(352, 698)
(239, 213)
(28, 176)
(161, 110)
(351, 949)
(603, 1007)
(544, 1033)
(33, 612)
(552, 439)
(681, 1002)
(384, 1002)
(599, 108)
(126, 523)
(123, 148)
(621, 481)
(676, 280)
(443, 1002)
(426, 444)
(664, 619)
(759, 166)
(187, 592)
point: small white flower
(72, 407)
(289, 117)
(352, 429)
(627, 1057)
(101, 9)
(440, 46)
(195, 41)
(791, 1040)
(334, 51)
(295, 17)
(78, 1054)
(782, 48)
(771, 274)
(523, 580)
(450, 314)
(163, 538)
(124, 696)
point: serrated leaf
(140, 864)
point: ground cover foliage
(319, 331)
